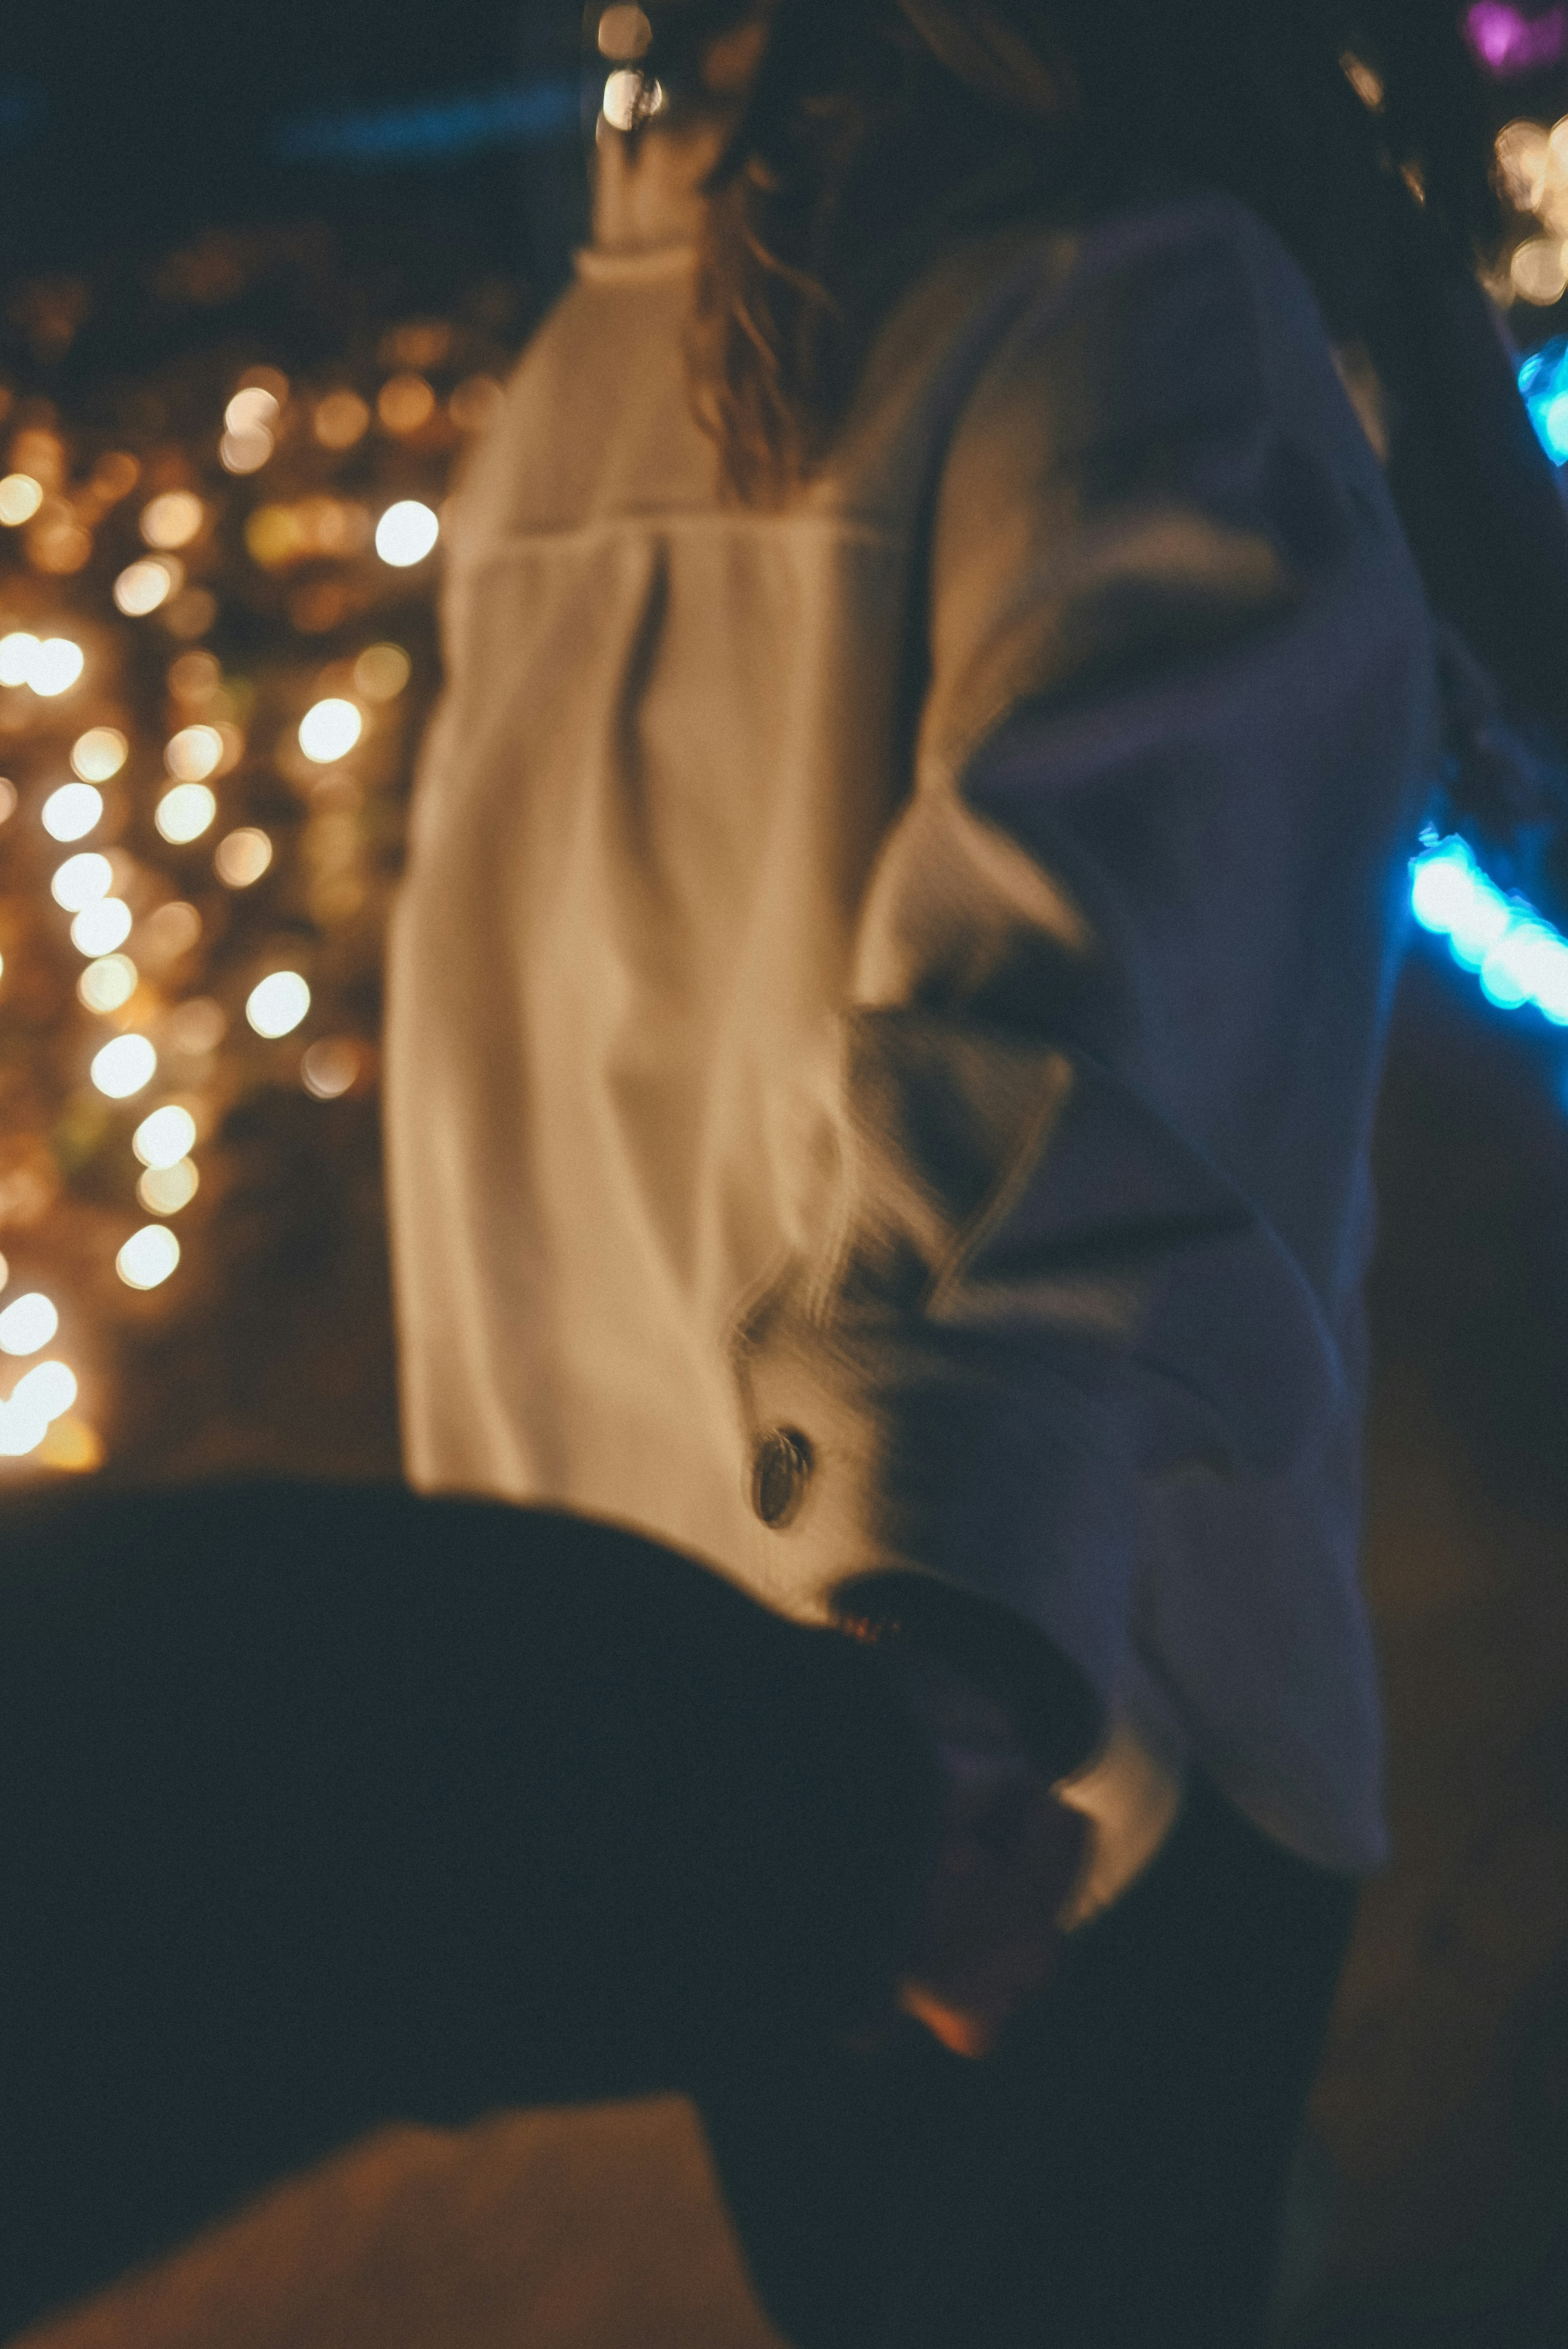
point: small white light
(49, 1387)
(16, 651)
(631, 98)
(143, 586)
(185, 812)
(27, 1323)
(108, 982)
(246, 450)
(194, 753)
(330, 729)
(242, 857)
(20, 498)
(164, 1190)
(56, 667)
(21, 1430)
(82, 881)
(124, 1066)
(278, 1003)
(405, 534)
(71, 812)
(100, 928)
(99, 753)
(148, 1258)
(173, 518)
(164, 1138)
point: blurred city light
(27, 1323)
(71, 812)
(164, 1190)
(172, 519)
(148, 1258)
(329, 730)
(81, 881)
(124, 1066)
(405, 534)
(143, 586)
(106, 983)
(277, 1004)
(20, 498)
(101, 926)
(242, 856)
(165, 1136)
(184, 813)
(1518, 957)
(99, 753)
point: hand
(1007, 1856)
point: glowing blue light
(1515, 952)
(519, 114)
(1543, 380)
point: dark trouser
(326, 1807)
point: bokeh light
(27, 1323)
(99, 753)
(81, 881)
(277, 1004)
(148, 1258)
(1517, 955)
(99, 927)
(405, 534)
(329, 730)
(623, 31)
(49, 1387)
(123, 1066)
(381, 672)
(341, 419)
(106, 983)
(71, 812)
(143, 586)
(330, 1068)
(184, 813)
(16, 651)
(172, 519)
(194, 753)
(56, 667)
(8, 799)
(20, 498)
(405, 402)
(196, 1027)
(242, 856)
(165, 1136)
(164, 1190)
(168, 932)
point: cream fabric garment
(909, 970)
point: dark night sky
(126, 126)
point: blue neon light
(1514, 951)
(519, 114)
(1543, 380)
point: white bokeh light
(164, 1190)
(81, 881)
(72, 811)
(405, 534)
(99, 753)
(277, 1004)
(124, 1066)
(148, 1258)
(185, 812)
(194, 753)
(143, 586)
(56, 667)
(163, 1138)
(100, 928)
(330, 729)
(108, 982)
(27, 1323)
(242, 857)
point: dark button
(780, 1472)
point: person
(885, 1010)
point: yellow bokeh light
(81, 881)
(168, 932)
(1538, 271)
(247, 451)
(194, 753)
(184, 813)
(148, 1258)
(329, 730)
(405, 534)
(242, 857)
(106, 983)
(381, 672)
(71, 1445)
(341, 419)
(27, 1323)
(624, 33)
(173, 519)
(143, 586)
(20, 498)
(55, 667)
(99, 928)
(405, 402)
(195, 1028)
(99, 753)
(277, 1004)
(164, 1190)
(165, 1137)
(71, 812)
(123, 1066)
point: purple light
(1508, 42)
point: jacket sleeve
(1160, 593)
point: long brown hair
(1358, 128)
